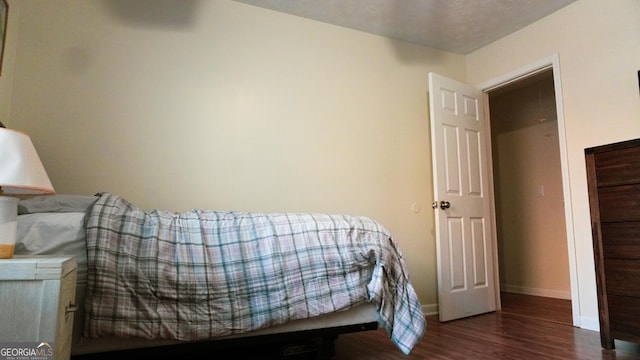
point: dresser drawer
(621, 240)
(624, 315)
(619, 203)
(622, 277)
(618, 167)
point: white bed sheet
(52, 234)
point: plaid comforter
(203, 274)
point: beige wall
(218, 104)
(598, 47)
(8, 63)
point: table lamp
(21, 173)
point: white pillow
(56, 204)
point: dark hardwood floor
(544, 308)
(529, 328)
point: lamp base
(8, 226)
(6, 251)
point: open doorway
(529, 201)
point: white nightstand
(37, 301)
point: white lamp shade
(21, 171)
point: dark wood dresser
(613, 176)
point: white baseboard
(557, 294)
(430, 309)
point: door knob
(443, 205)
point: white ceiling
(458, 26)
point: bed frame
(304, 344)
(312, 338)
(301, 339)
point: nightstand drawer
(36, 293)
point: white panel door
(466, 284)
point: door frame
(552, 62)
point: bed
(154, 279)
